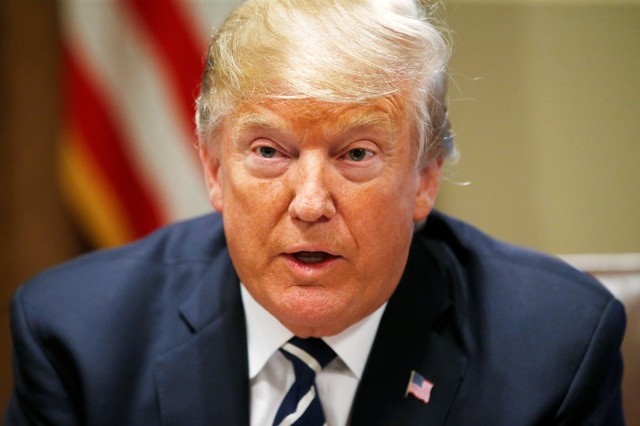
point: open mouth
(312, 257)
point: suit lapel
(421, 330)
(204, 380)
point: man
(323, 130)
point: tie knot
(301, 405)
(314, 353)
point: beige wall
(545, 106)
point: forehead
(384, 114)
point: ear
(212, 176)
(427, 189)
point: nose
(312, 200)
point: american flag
(131, 71)
(419, 387)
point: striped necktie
(301, 406)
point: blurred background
(96, 127)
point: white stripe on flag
(139, 95)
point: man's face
(319, 202)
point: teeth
(308, 257)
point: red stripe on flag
(105, 144)
(182, 55)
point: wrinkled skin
(319, 203)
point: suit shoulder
(506, 265)
(527, 318)
(167, 258)
(513, 296)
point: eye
(267, 151)
(358, 154)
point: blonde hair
(338, 51)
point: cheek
(252, 209)
(381, 219)
(389, 200)
(250, 195)
(380, 227)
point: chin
(313, 315)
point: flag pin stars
(419, 387)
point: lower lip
(310, 270)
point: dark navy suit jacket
(153, 334)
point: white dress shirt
(271, 374)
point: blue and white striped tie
(301, 406)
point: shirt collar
(265, 335)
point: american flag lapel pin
(419, 387)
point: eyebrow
(261, 120)
(377, 120)
(345, 121)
